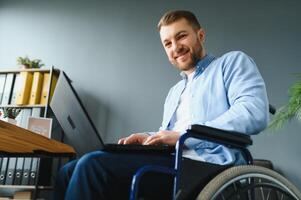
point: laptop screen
(80, 132)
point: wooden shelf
(32, 187)
(23, 106)
(5, 71)
(9, 190)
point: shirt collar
(201, 65)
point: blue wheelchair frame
(227, 138)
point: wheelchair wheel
(249, 182)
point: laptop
(79, 130)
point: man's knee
(90, 160)
(67, 169)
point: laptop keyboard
(138, 148)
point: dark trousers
(104, 175)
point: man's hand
(163, 137)
(135, 138)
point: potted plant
(291, 110)
(10, 114)
(26, 63)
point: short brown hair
(175, 15)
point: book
(10, 175)
(18, 171)
(3, 170)
(33, 171)
(46, 87)
(23, 195)
(36, 88)
(26, 113)
(2, 84)
(53, 84)
(19, 118)
(7, 92)
(26, 171)
(25, 86)
(36, 112)
(15, 89)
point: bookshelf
(16, 91)
(53, 74)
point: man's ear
(201, 35)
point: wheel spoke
(269, 194)
(261, 189)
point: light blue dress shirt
(226, 93)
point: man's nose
(176, 47)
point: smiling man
(183, 44)
(227, 92)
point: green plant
(25, 61)
(10, 112)
(291, 110)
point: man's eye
(167, 44)
(181, 36)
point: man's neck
(187, 72)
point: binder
(19, 118)
(36, 112)
(3, 170)
(15, 89)
(8, 88)
(26, 171)
(26, 113)
(45, 165)
(24, 90)
(33, 171)
(10, 175)
(2, 84)
(45, 88)
(53, 84)
(36, 88)
(18, 171)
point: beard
(191, 61)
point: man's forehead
(174, 28)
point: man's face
(183, 44)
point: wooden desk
(20, 142)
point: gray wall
(112, 52)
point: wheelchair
(246, 182)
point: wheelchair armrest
(229, 138)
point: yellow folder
(36, 88)
(53, 84)
(45, 88)
(24, 89)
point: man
(226, 93)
